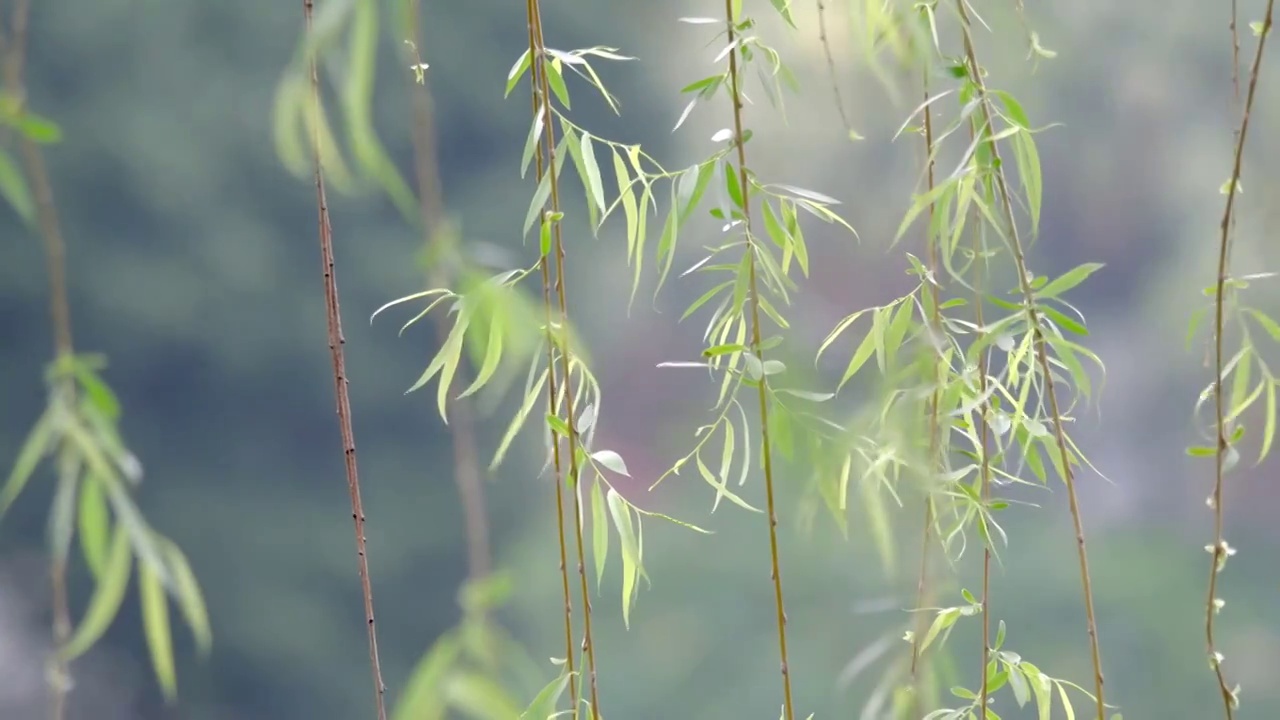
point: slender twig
(1235, 108)
(541, 96)
(754, 293)
(15, 45)
(831, 65)
(1235, 52)
(566, 356)
(336, 342)
(1219, 545)
(984, 430)
(466, 471)
(1042, 354)
(934, 411)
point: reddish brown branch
(336, 342)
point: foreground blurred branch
(466, 473)
(14, 49)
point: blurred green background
(194, 267)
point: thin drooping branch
(546, 164)
(753, 292)
(1235, 52)
(538, 53)
(984, 437)
(1220, 545)
(936, 464)
(15, 46)
(831, 65)
(431, 206)
(1042, 354)
(336, 341)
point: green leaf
(532, 394)
(592, 179)
(558, 425)
(556, 80)
(538, 203)
(63, 509)
(492, 357)
(1021, 691)
(860, 357)
(1269, 421)
(13, 186)
(479, 697)
(630, 551)
(611, 460)
(732, 186)
(531, 143)
(944, 619)
(108, 593)
(155, 621)
(517, 71)
(544, 703)
(38, 129)
(1063, 321)
(187, 593)
(1068, 280)
(422, 698)
(599, 531)
(33, 449)
(784, 9)
(94, 526)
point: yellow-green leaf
(155, 622)
(105, 601)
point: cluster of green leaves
(501, 333)
(1226, 429)
(96, 476)
(496, 329)
(1024, 679)
(759, 275)
(1247, 377)
(471, 667)
(31, 126)
(981, 364)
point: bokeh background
(194, 267)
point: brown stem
(336, 342)
(588, 645)
(922, 623)
(546, 164)
(466, 472)
(931, 252)
(15, 44)
(754, 293)
(983, 437)
(1235, 52)
(1219, 545)
(60, 683)
(1042, 355)
(831, 64)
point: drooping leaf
(104, 604)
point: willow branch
(1220, 546)
(545, 163)
(935, 322)
(1042, 355)
(754, 293)
(15, 45)
(336, 341)
(431, 206)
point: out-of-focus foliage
(193, 267)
